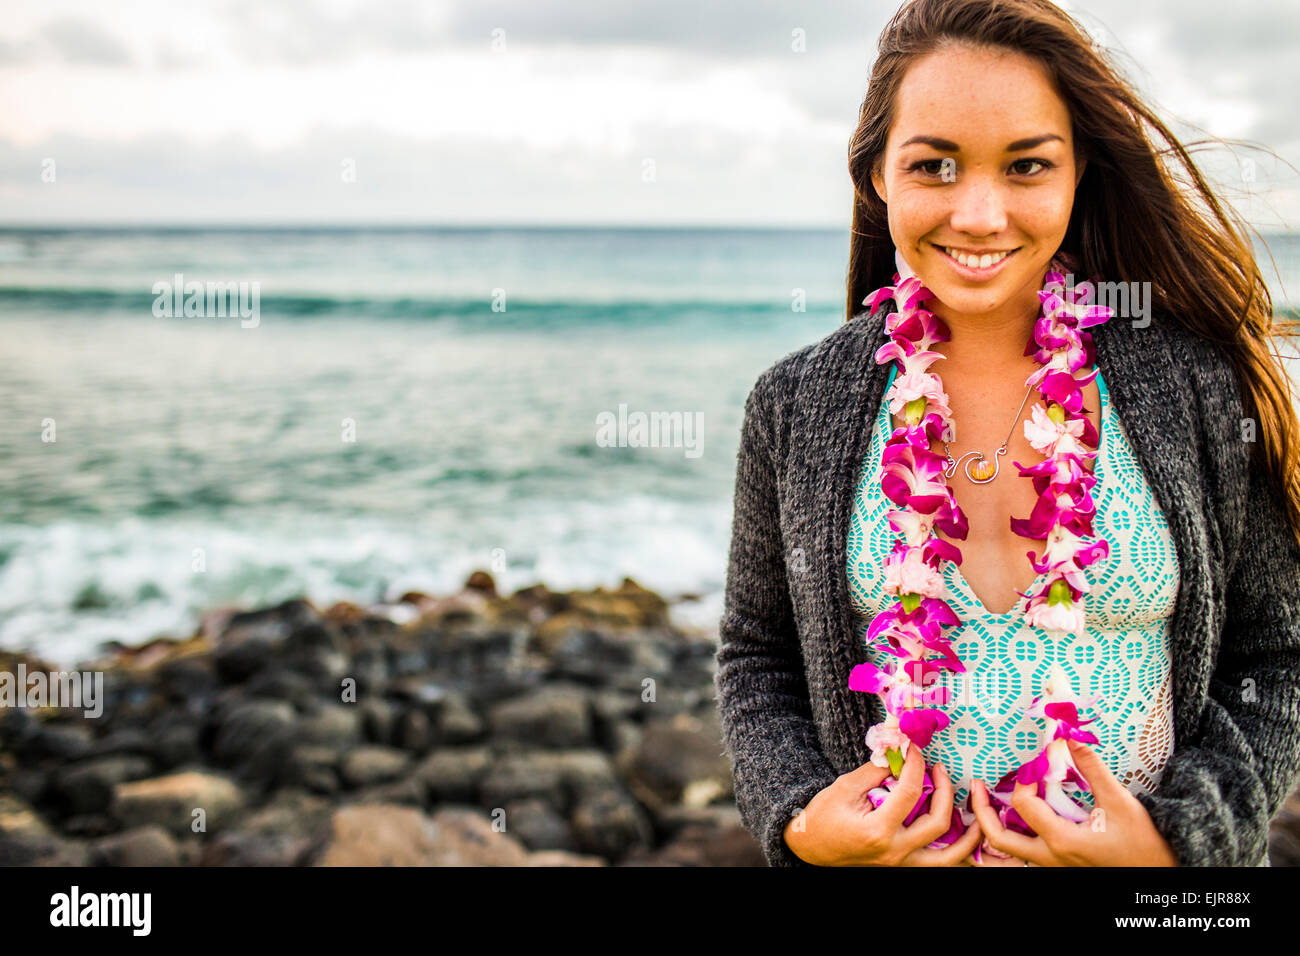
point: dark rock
(143, 846)
(317, 635)
(124, 740)
(518, 776)
(378, 719)
(176, 744)
(703, 845)
(409, 791)
(610, 824)
(255, 738)
(456, 722)
(273, 624)
(536, 824)
(313, 767)
(331, 725)
(189, 680)
(237, 662)
(680, 761)
(414, 732)
(554, 716)
(58, 741)
(36, 849)
(369, 668)
(599, 657)
(454, 774)
(279, 682)
(87, 787)
(280, 833)
(373, 764)
(90, 825)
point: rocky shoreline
(541, 728)
(537, 729)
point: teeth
(976, 262)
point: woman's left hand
(1118, 833)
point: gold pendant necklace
(978, 469)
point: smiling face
(979, 174)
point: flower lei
(912, 477)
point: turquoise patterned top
(1123, 656)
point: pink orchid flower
(913, 478)
(910, 386)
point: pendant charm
(979, 469)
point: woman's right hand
(839, 827)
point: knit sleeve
(762, 693)
(1221, 788)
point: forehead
(978, 97)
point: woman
(994, 144)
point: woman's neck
(992, 342)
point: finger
(988, 859)
(1032, 849)
(1093, 769)
(903, 797)
(951, 855)
(1046, 822)
(935, 822)
(864, 778)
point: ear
(878, 182)
(1079, 167)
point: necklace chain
(981, 474)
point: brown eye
(1027, 172)
(925, 167)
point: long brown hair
(1200, 264)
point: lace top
(1123, 657)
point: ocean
(393, 409)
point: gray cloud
(84, 42)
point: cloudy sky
(535, 111)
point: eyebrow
(948, 146)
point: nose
(979, 207)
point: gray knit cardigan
(790, 724)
